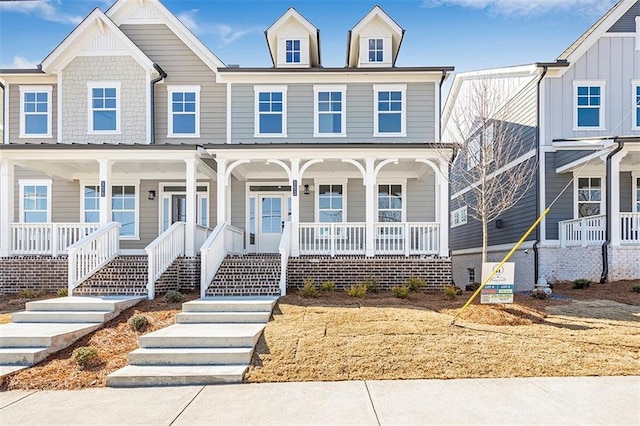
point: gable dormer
(374, 41)
(293, 41)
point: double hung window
(292, 51)
(271, 111)
(390, 203)
(589, 105)
(184, 107)
(35, 111)
(124, 209)
(104, 107)
(35, 196)
(329, 108)
(389, 110)
(589, 196)
(376, 50)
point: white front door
(270, 221)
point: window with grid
(104, 109)
(270, 110)
(589, 104)
(292, 51)
(184, 113)
(636, 97)
(330, 112)
(376, 52)
(123, 208)
(330, 203)
(35, 203)
(589, 196)
(389, 203)
(36, 110)
(638, 195)
(91, 204)
(389, 108)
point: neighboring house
(583, 116)
(136, 138)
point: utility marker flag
(499, 289)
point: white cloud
(528, 7)
(225, 33)
(20, 62)
(48, 10)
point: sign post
(500, 288)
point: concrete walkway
(567, 401)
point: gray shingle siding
(627, 23)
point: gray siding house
(584, 112)
(132, 143)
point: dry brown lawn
(335, 337)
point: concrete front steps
(211, 343)
(47, 326)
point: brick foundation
(389, 271)
(39, 273)
(182, 275)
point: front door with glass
(270, 222)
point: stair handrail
(162, 252)
(212, 253)
(87, 255)
(285, 252)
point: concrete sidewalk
(579, 400)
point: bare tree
(490, 173)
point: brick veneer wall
(389, 271)
(40, 273)
(183, 275)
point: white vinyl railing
(630, 228)
(225, 239)
(584, 232)
(162, 252)
(407, 238)
(285, 251)
(332, 238)
(89, 254)
(202, 233)
(423, 237)
(47, 238)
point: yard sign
(500, 288)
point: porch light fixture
(306, 190)
(152, 194)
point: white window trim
(170, 91)
(473, 158)
(635, 176)
(23, 120)
(342, 88)
(256, 112)
(38, 182)
(459, 217)
(637, 32)
(369, 50)
(635, 125)
(199, 194)
(403, 183)
(82, 210)
(575, 192)
(403, 118)
(602, 84)
(293, 51)
(316, 197)
(103, 84)
(116, 182)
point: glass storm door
(179, 208)
(270, 222)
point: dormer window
(376, 51)
(292, 51)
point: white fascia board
(28, 79)
(585, 144)
(355, 152)
(377, 11)
(52, 154)
(292, 13)
(329, 77)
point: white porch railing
(47, 238)
(584, 232)
(225, 239)
(332, 238)
(89, 254)
(202, 233)
(285, 252)
(407, 238)
(630, 228)
(162, 252)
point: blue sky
(468, 34)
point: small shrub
(86, 356)
(357, 291)
(636, 288)
(401, 292)
(539, 294)
(309, 288)
(581, 283)
(472, 287)
(450, 292)
(62, 292)
(173, 296)
(328, 286)
(415, 284)
(371, 285)
(138, 323)
(29, 293)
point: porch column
(190, 229)
(295, 207)
(370, 200)
(614, 197)
(442, 208)
(105, 191)
(7, 201)
(221, 191)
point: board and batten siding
(183, 67)
(14, 116)
(612, 59)
(627, 23)
(359, 110)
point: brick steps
(249, 275)
(124, 275)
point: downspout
(444, 76)
(545, 68)
(162, 76)
(4, 105)
(453, 156)
(607, 231)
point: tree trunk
(485, 238)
